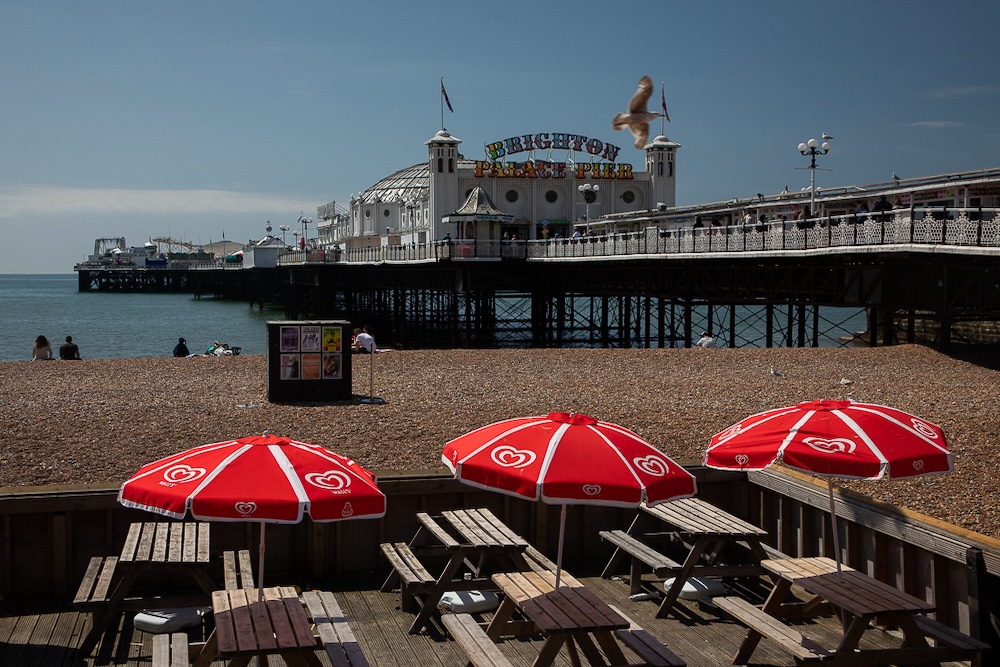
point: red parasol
(834, 439)
(268, 478)
(567, 459)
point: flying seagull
(638, 117)
(826, 137)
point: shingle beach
(97, 421)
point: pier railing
(956, 227)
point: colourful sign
(554, 170)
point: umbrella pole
(836, 533)
(559, 550)
(260, 565)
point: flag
(444, 93)
(663, 103)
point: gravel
(92, 422)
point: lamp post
(283, 228)
(305, 229)
(589, 193)
(812, 148)
(411, 205)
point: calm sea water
(108, 326)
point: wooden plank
(189, 543)
(794, 642)
(246, 569)
(161, 542)
(225, 625)
(324, 628)
(473, 640)
(229, 570)
(637, 549)
(131, 542)
(499, 528)
(948, 636)
(204, 542)
(428, 522)
(239, 605)
(89, 580)
(107, 576)
(175, 543)
(144, 547)
(297, 616)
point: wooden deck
(45, 633)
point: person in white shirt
(705, 341)
(364, 342)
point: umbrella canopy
(268, 478)
(567, 459)
(834, 439)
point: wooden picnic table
(470, 540)
(247, 626)
(152, 546)
(703, 527)
(574, 617)
(860, 601)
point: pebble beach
(97, 421)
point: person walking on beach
(41, 350)
(69, 350)
(181, 349)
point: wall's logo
(509, 457)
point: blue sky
(197, 119)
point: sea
(110, 325)
(114, 325)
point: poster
(290, 365)
(311, 365)
(332, 339)
(289, 339)
(310, 341)
(332, 369)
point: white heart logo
(918, 465)
(592, 489)
(331, 480)
(348, 510)
(651, 465)
(509, 457)
(181, 473)
(246, 507)
(743, 460)
(833, 446)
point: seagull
(895, 177)
(776, 373)
(826, 137)
(638, 117)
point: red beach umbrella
(834, 439)
(567, 459)
(268, 478)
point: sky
(209, 119)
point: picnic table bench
(149, 546)
(469, 541)
(860, 600)
(703, 528)
(236, 570)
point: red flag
(663, 103)
(444, 93)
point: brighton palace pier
(550, 239)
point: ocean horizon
(114, 325)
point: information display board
(308, 361)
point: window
(628, 196)
(385, 213)
(511, 196)
(451, 165)
(368, 214)
(440, 164)
(552, 196)
(659, 167)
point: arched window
(451, 165)
(440, 165)
(659, 167)
(671, 165)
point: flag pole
(663, 101)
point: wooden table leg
(692, 559)
(550, 649)
(435, 594)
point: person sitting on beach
(181, 349)
(41, 350)
(213, 347)
(364, 342)
(69, 350)
(705, 341)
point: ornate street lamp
(812, 148)
(589, 193)
(283, 228)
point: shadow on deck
(45, 633)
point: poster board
(308, 360)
